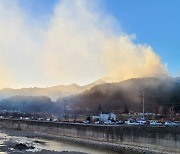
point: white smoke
(81, 44)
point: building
(105, 117)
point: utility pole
(143, 104)
(64, 108)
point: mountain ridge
(53, 92)
(159, 93)
(159, 96)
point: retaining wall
(162, 138)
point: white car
(108, 122)
(86, 122)
(155, 122)
(27, 118)
(130, 122)
(96, 122)
(170, 123)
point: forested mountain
(28, 104)
(159, 96)
(177, 79)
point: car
(130, 122)
(178, 123)
(26, 118)
(142, 121)
(155, 122)
(86, 122)
(96, 122)
(147, 122)
(109, 122)
(170, 123)
(120, 122)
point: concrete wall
(163, 138)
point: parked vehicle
(27, 118)
(178, 123)
(86, 122)
(170, 123)
(120, 122)
(96, 122)
(130, 122)
(55, 120)
(109, 122)
(155, 122)
(142, 121)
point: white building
(96, 118)
(105, 117)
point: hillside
(160, 94)
(29, 104)
(52, 92)
(177, 79)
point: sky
(51, 42)
(155, 23)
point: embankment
(154, 138)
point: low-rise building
(105, 117)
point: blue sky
(155, 23)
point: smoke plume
(123, 60)
(81, 43)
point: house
(105, 117)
